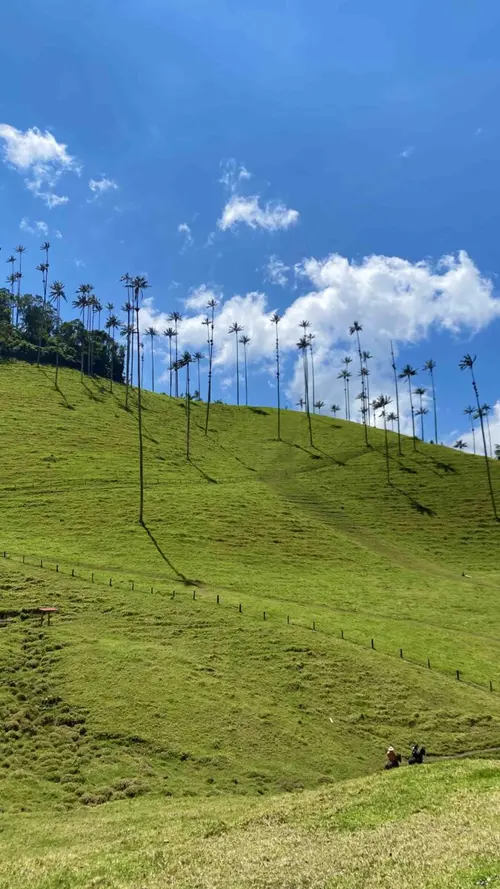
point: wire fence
(201, 594)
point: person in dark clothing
(417, 756)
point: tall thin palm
(430, 366)
(125, 280)
(275, 319)
(43, 267)
(408, 373)
(381, 404)
(303, 346)
(176, 318)
(210, 323)
(335, 409)
(301, 403)
(319, 404)
(486, 409)
(392, 417)
(152, 332)
(112, 323)
(470, 412)
(236, 329)
(244, 340)
(169, 332)
(186, 361)
(81, 303)
(345, 375)
(467, 363)
(138, 286)
(397, 398)
(356, 328)
(421, 412)
(198, 356)
(367, 356)
(460, 444)
(310, 337)
(56, 295)
(19, 250)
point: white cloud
(40, 158)
(248, 211)
(276, 272)
(232, 174)
(407, 152)
(80, 264)
(100, 186)
(57, 234)
(37, 228)
(185, 230)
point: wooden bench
(46, 611)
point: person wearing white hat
(393, 759)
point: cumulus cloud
(185, 230)
(407, 152)
(40, 158)
(232, 174)
(57, 233)
(272, 217)
(200, 296)
(100, 186)
(276, 272)
(36, 228)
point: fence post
(92, 577)
(458, 675)
(373, 644)
(72, 572)
(151, 589)
(41, 563)
(194, 595)
(218, 600)
(288, 618)
(4, 554)
(111, 581)
(57, 569)
(264, 613)
(314, 624)
(24, 559)
(401, 652)
(491, 685)
(428, 663)
(341, 634)
(240, 608)
(133, 586)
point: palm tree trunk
(368, 404)
(188, 412)
(57, 342)
(348, 398)
(435, 408)
(237, 371)
(412, 414)
(306, 395)
(386, 450)
(345, 400)
(246, 375)
(312, 379)
(278, 381)
(199, 378)
(139, 415)
(473, 435)
(170, 365)
(176, 368)
(489, 435)
(397, 401)
(152, 365)
(363, 388)
(487, 462)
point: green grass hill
(223, 652)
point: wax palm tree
(392, 417)
(345, 375)
(152, 332)
(56, 295)
(408, 373)
(170, 333)
(93, 307)
(19, 250)
(127, 307)
(244, 340)
(209, 321)
(43, 267)
(301, 403)
(373, 404)
(112, 323)
(467, 363)
(430, 366)
(367, 356)
(470, 412)
(319, 404)
(397, 399)
(421, 412)
(356, 328)
(275, 319)
(81, 303)
(236, 329)
(198, 356)
(176, 318)
(381, 404)
(186, 361)
(303, 346)
(335, 409)
(138, 286)
(365, 374)
(460, 444)
(486, 409)
(310, 337)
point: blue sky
(356, 129)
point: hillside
(223, 652)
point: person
(393, 759)
(417, 756)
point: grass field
(139, 712)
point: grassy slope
(416, 829)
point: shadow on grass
(202, 472)
(258, 410)
(415, 504)
(64, 402)
(185, 580)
